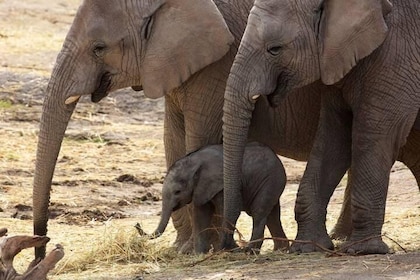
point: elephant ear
(207, 183)
(349, 31)
(186, 36)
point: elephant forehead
(273, 9)
(274, 19)
(99, 6)
(98, 18)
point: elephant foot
(228, 243)
(281, 245)
(187, 247)
(252, 250)
(366, 246)
(341, 231)
(182, 242)
(182, 223)
(311, 244)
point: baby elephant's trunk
(161, 228)
(154, 235)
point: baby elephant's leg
(258, 227)
(202, 217)
(276, 229)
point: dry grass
(116, 246)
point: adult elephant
(364, 57)
(158, 45)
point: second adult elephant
(362, 57)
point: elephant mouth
(276, 97)
(280, 92)
(177, 207)
(137, 88)
(103, 88)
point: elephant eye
(99, 49)
(147, 28)
(275, 50)
(177, 192)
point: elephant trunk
(237, 112)
(164, 220)
(54, 120)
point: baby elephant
(198, 179)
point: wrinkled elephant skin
(363, 58)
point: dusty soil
(111, 167)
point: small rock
(20, 216)
(127, 178)
(123, 202)
(22, 207)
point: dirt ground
(111, 167)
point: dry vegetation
(109, 175)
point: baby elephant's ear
(205, 187)
(349, 31)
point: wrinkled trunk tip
(156, 234)
(140, 230)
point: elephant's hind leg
(257, 237)
(276, 229)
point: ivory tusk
(72, 99)
(255, 97)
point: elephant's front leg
(203, 120)
(202, 217)
(174, 142)
(329, 159)
(377, 139)
(409, 154)
(202, 110)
